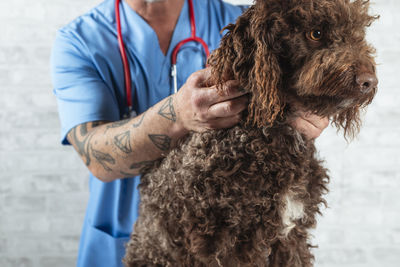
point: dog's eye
(315, 35)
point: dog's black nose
(367, 82)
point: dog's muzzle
(366, 82)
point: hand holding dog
(309, 124)
(200, 108)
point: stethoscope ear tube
(192, 38)
(127, 72)
(127, 76)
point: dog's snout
(366, 81)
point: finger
(230, 89)
(317, 121)
(200, 77)
(306, 128)
(228, 108)
(221, 123)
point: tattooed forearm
(104, 159)
(123, 142)
(82, 146)
(161, 141)
(97, 123)
(167, 110)
(125, 147)
(137, 124)
(83, 129)
(139, 167)
(81, 138)
(117, 124)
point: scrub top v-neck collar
(141, 38)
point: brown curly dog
(248, 195)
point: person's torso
(113, 207)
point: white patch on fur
(292, 211)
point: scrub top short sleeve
(81, 93)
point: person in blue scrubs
(88, 80)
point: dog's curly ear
(247, 53)
(265, 75)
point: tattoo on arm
(104, 159)
(83, 147)
(83, 129)
(81, 137)
(135, 125)
(97, 123)
(140, 167)
(161, 141)
(123, 142)
(120, 123)
(167, 110)
(117, 124)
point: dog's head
(309, 53)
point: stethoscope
(192, 38)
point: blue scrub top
(88, 81)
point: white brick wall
(361, 227)
(43, 186)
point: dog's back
(230, 198)
(246, 196)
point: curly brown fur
(248, 195)
(268, 51)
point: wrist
(178, 130)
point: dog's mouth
(343, 112)
(340, 98)
(330, 106)
(332, 92)
(359, 100)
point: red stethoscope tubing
(127, 71)
(193, 38)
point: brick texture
(43, 186)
